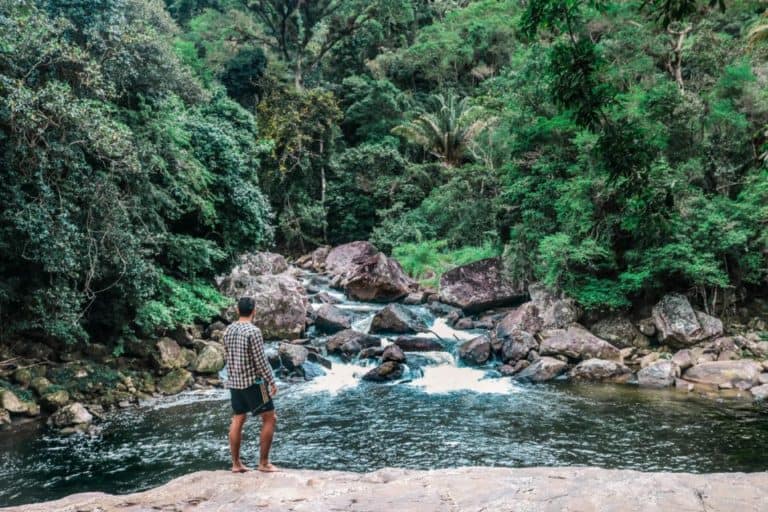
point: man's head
(245, 307)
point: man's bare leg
(269, 420)
(235, 438)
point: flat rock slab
(451, 490)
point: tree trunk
(675, 62)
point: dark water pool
(335, 423)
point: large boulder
(387, 371)
(517, 346)
(619, 331)
(741, 374)
(11, 403)
(378, 278)
(479, 286)
(555, 311)
(542, 370)
(281, 302)
(576, 342)
(71, 415)
(350, 342)
(344, 259)
(292, 356)
(169, 354)
(476, 351)
(678, 325)
(398, 319)
(661, 374)
(600, 370)
(55, 399)
(174, 382)
(260, 263)
(523, 318)
(314, 260)
(209, 360)
(330, 319)
(419, 344)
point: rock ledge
(460, 489)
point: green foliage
(117, 167)
(448, 129)
(428, 260)
(179, 303)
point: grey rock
(398, 319)
(174, 382)
(71, 415)
(393, 353)
(555, 311)
(542, 370)
(377, 278)
(479, 286)
(679, 325)
(387, 371)
(330, 319)
(344, 259)
(742, 374)
(683, 359)
(476, 351)
(601, 370)
(517, 345)
(11, 403)
(661, 374)
(419, 344)
(292, 356)
(349, 342)
(760, 393)
(576, 342)
(169, 354)
(281, 302)
(209, 360)
(619, 331)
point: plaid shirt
(246, 361)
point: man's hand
(273, 390)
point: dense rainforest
(610, 149)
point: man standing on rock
(251, 385)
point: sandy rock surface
(449, 490)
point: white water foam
(342, 376)
(449, 379)
(441, 329)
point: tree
(448, 130)
(303, 32)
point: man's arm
(260, 359)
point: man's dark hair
(245, 306)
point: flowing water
(441, 415)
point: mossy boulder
(54, 400)
(71, 415)
(23, 376)
(174, 382)
(40, 385)
(210, 360)
(169, 355)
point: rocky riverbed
(448, 490)
(310, 311)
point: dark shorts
(254, 399)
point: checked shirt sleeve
(260, 358)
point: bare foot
(240, 468)
(268, 468)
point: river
(442, 415)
